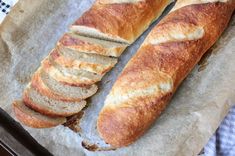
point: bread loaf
(150, 78)
(82, 56)
(117, 21)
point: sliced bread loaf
(91, 45)
(121, 22)
(59, 91)
(49, 106)
(78, 60)
(34, 119)
(70, 76)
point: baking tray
(15, 140)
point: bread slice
(49, 106)
(70, 76)
(77, 60)
(91, 45)
(34, 119)
(53, 89)
(95, 33)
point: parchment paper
(202, 101)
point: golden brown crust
(126, 123)
(133, 105)
(124, 21)
(32, 120)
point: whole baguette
(168, 54)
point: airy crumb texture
(51, 107)
(59, 91)
(69, 76)
(34, 119)
(78, 60)
(91, 45)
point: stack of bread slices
(65, 78)
(68, 75)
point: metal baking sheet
(32, 30)
(15, 140)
